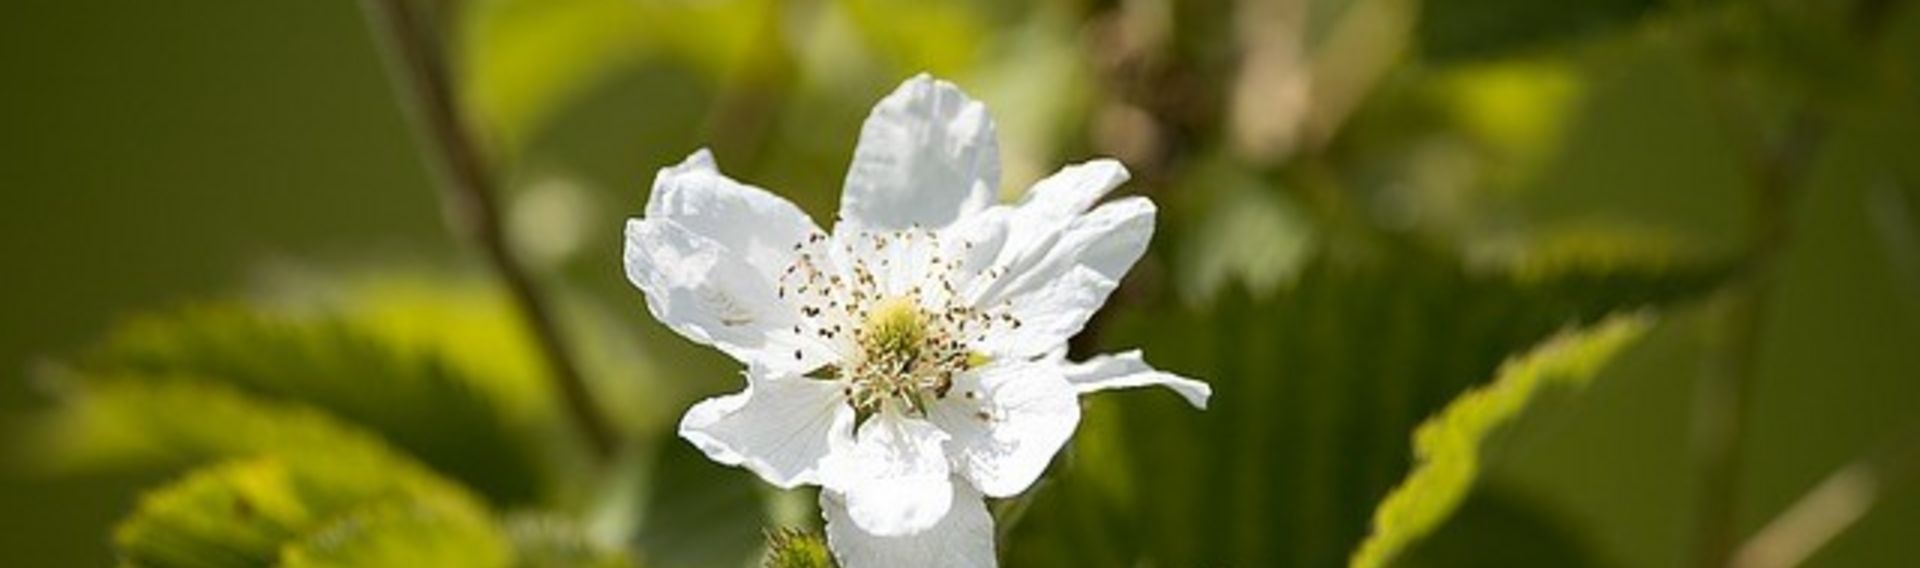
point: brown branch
(418, 66)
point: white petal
(780, 428)
(1055, 294)
(1007, 421)
(708, 255)
(760, 228)
(893, 475)
(927, 156)
(962, 539)
(1128, 370)
(1054, 202)
(1036, 224)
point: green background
(155, 153)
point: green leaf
(546, 541)
(697, 512)
(1241, 210)
(943, 37)
(414, 400)
(1449, 448)
(110, 421)
(242, 512)
(418, 532)
(524, 59)
(1497, 526)
(1316, 389)
(794, 548)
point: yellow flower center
(895, 330)
(902, 344)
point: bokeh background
(1367, 205)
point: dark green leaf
(699, 513)
(1316, 390)
(1465, 29)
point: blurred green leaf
(415, 401)
(119, 420)
(242, 512)
(699, 513)
(1466, 29)
(475, 328)
(329, 509)
(942, 37)
(1316, 391)
(1248, 235)
(523, 59)
(1499, 527)
(1449, 447)
(545, 541)
(406, 533)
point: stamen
(902, 338)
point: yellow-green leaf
(1450, 447)
(243, 512)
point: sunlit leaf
(415, 532)
(242, 512)
(108, 421)
(942, 37)
(523, 59)
(417, 402)
(1449, 448)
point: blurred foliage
(295, 409)
(1452, 29)
(327, 366)
(1449, 447)
(689, 519)
(524, 59)
(242, 513)
(1376, 215)
(1316, 391)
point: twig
(416, 62)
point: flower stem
(418, 67)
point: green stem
(415, 59)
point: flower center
(904, 355)
(888, 304)
(895, 330)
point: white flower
(911, 362)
